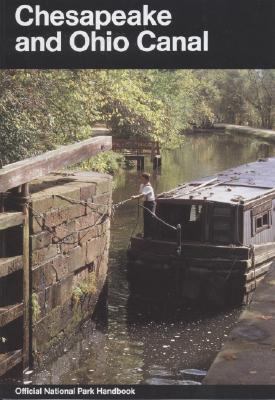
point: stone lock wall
(69, 243)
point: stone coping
(248, 356)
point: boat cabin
(227, 241)
(235, 207)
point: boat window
(261, 217)
(222, 224)
(265, 219)
(262, 221)
(195, 213)
(259, 222)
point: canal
(133, 344)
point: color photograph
(136, 228)
(137, 200)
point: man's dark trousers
(148, 218)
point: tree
(246, 97)
(42, 109)
(260, 94)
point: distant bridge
(136, 149)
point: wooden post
(142, 163)
(2, 233)
(157, 162)
(158, 149)
(152, 151)
(26, 278)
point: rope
(250, 295)
(58, 240)
(253, 264)
(158, 219)
(230, 271)
(92, 206)
(121, 203)
(117, 205)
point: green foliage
(243, 97)
(108, 162)
(35, 308)
(129, 164)
(40, 110)
(85, 288)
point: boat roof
(235, 185)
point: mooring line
(92, 206)
(57, 240)
(121, 203)
(158, 219)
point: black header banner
(137, 34)
(109, 392)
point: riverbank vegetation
(40, 110)
(108, 162)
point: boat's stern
(201, 272)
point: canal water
(139, 344)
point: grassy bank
(265, 134)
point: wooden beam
(9, 361)
(26, 279)
(11, 219)
(252, 285)
(254, 273)
(9, 265)
(202, 250)
(10, 313)
(25, 171)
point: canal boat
(226, 243)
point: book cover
(137, 199)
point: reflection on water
(138, 344)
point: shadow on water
(134, 342)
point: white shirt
(147, 191)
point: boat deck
(240, 184)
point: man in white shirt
(146, 192)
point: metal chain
(92, 206)
(114, 208)
(82, 202)
(43, 226)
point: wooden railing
(25, 171)
(136, 146)
(14, 185)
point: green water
(134, 346)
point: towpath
(248, 356)
(266, 134)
